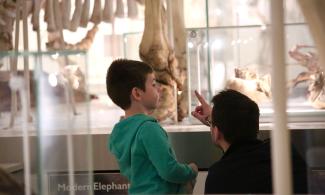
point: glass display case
(44, 105)
(229, 47)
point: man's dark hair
(236, 116)
(122, 76)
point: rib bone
(66, 10)
(35, 16)
(96, 16)
(49, 16)
(132, 9)
(119, 9)
(76, 15)
(85, 13)
(108, 14)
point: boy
(138, 142)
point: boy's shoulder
(136, 121)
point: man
(245, 166)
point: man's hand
(203, 111)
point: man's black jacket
(246, 168)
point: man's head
(235, 116)
(128, 81)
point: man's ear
(135, 93)
(215, 133)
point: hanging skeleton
(57, 17)
(314, 75)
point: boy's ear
(136, 93)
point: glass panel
(54, 136)
(238, 12)
(59, 150)
(239, 37)
(197, 64)
(131, 42)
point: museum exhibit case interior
(238, 39)
(228, 45)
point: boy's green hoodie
(146, 158)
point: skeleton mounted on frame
(57, 16)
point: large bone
(153, 46)
(76, 16)
(108, 14)
(132, 9)
(85, 13)
(96, 16)
(49, 16)
(119, 9)
(155, 50)
(66, 10)
(180, 45)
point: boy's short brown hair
(122, 76)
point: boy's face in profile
(150, 98)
